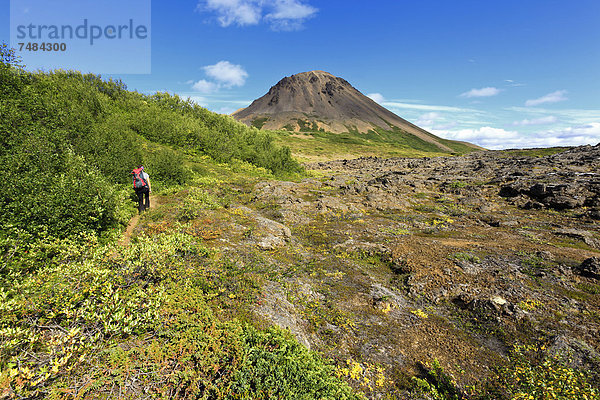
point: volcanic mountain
(318, 101)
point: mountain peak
(314, 72)
(320, 101)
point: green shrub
(461, 256)
(219, 136)
(56, 194)
(277, 366)
(167, 166)
(197, 200)
(137, 320)
(437, 384)
(458, 184)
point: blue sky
(502, 74)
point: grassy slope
(321, 146)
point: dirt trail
(154, 202)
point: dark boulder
(563, 202)
(509, 191)
(589, 267)
(594, 214)
(538, 191)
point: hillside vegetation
(68, 140)
(318, 145)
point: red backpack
(138, 179)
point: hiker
(141, 184)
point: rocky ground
(397, 262)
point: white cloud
(537, 121)
(586, 134)
(223, 75)
(204, 86)
(291, 9)
(553, 97)
(227, 74)
(221, 102)
(484, 133)
(244, 103)
(483, 92)
(279, 14)
(573, 116)
(238, 12)
(376, 97)
(425, 107)
(512, 83)
(436, 121)
(485, 136)
(289, 15)
(495, 138)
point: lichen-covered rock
(270, 234)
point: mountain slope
(319, 101)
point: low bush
(111, 321)
(532, 373)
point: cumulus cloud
(376, 97)
(485, 136)
(497, 138)
(537, 121)
(288, 15)
(226, 73)
(204, 86)
(279, 14)
(553, 97)
(223, 75)
(233, 12)
(586, 134)
(483, 92)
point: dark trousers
(143, 194)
